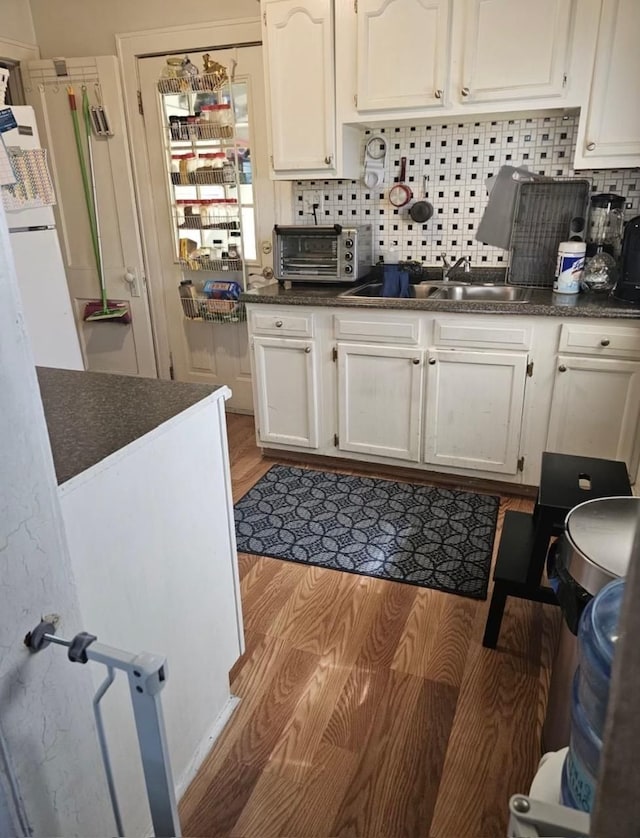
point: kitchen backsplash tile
(457, 157)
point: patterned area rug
(422, 535)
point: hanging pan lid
(600, 536)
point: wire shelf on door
(199, 131)
(202, 308)
(201, 264)
(193, 83)
(204, 177)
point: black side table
(565, 481)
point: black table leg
(494, 617)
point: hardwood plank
(321, 792)
(380, 646)
(266, 589)
(436, 638)
(222, 800)
(323, 611)
(252, 639)
(353, 715)
(395, 785)
(303, 733)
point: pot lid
(602, 533)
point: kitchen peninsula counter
(543, 302)
(91, 415)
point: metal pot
(421, 211)
(400, 194)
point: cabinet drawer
(385, 328)
(482, 333)
(606, 341)
(272, 322)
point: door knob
(605, 342)
(591, 146)
(432, 361)
(307, 349)
(131, 278)
(278, 324)
(562, 368)
(328, 159)
(438, 94)
(416, 361)
(465, 91)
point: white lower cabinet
(286, 387)
(446, 392)
(380, 400)
(595, 409)
(474, 405)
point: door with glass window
(213, 203)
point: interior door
(209, 352)
(107, 346)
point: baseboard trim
(411, 475)
(204, 748)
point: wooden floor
(370, 708)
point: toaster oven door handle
(307, 230)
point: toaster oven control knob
(348, 256)
(348, 242)
(348, 269)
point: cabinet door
(300, 82)
(380, 400)
(403, 53)
(474, 409)
(287, 391)
(611, 135)
(515, 49)
(595, 409)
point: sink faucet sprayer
(448, 268)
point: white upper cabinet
(514, 49)
(299, 64)
(609, 136)
(300, 87)
(404, 52)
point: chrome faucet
(448, 268)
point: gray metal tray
(542, 219)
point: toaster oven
(329, 253)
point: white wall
(87, 27)
(47, 739)
(16, 23)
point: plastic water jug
(597, 638)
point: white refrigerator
(48, 312)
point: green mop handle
(85, 177)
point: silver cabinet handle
(307, 349)
(328, 159)
(605, 342)
(415, 361)
(432, 361)
(591, 146)
(278, 324)
(562, 368)
(438, 94)
(465, 91)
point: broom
(102, 309)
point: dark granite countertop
(542, 303)
(91, 415)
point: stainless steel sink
(374, 289)
(452, 291)
(484, 293)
